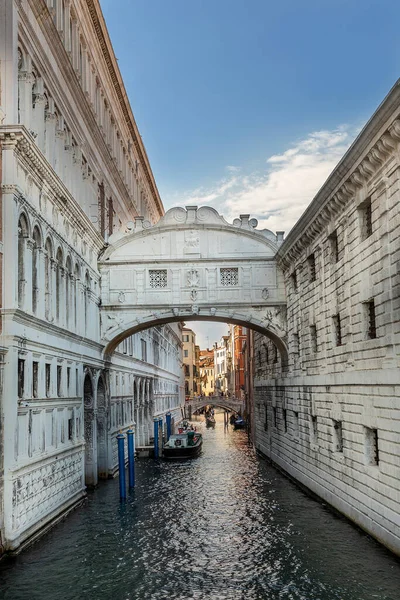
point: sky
(248, 105)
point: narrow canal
(226, 525)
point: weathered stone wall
(333, 419)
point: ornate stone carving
(193, 279)
(265, 293)
(121, 297)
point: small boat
(210, 421)
(183, 445)
(239, 423)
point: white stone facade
(331, 418)
(73, 169)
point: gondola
(183, 445)
(210, 421)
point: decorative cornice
(109, 57)
(20, 141)
(375, 146)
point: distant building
(238, 338)
(222, 364)
(207, 372)
(189, 361)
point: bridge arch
(192, 265)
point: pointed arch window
(23, 232)
(37, 242)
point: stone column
(50, 132)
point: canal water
(225, 525)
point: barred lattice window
(229, 276)
(158, 278)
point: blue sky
(247, 105)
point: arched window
(59, 260)
(87, 291)
(23, 232)
(48, 256)
(75, 291)
(37, 242)
(68, 296)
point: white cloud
(278, 195)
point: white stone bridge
(230, 404)
(192, 265)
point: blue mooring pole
(121, 464)
(131, 458)
(156, 437)
(168, 420)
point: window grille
(337, 436)
(314, 343)
(371, 333)
(294, 281)
(311, 267)
(229, 277)
(337, 329)
(366, 219)
(371, 446)
(284, 415)
(158, 278)
(334, 247)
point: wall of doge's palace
(74, 169)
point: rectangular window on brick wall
(296, 344)
(313, 429)
(369, 309)
(35, 379)
(371, 446)
(337, 330)
(296, 423)
(333, 248)
(284, 418)
(274, 420)
(275, 354)
(313, 339)
(293, 279)
(311, 268)
(365, 219)
(337, 436)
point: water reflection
(223, 526)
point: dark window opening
(59, 379)
(337, 327)
(35, 379)
(274, 416)
(284, 415)
(21, 378)
(337, 436)
(294, 281)
(311, 267)
(370, 306)
(313, 336)
(366, 219)
(334, 247)
(48, 379)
